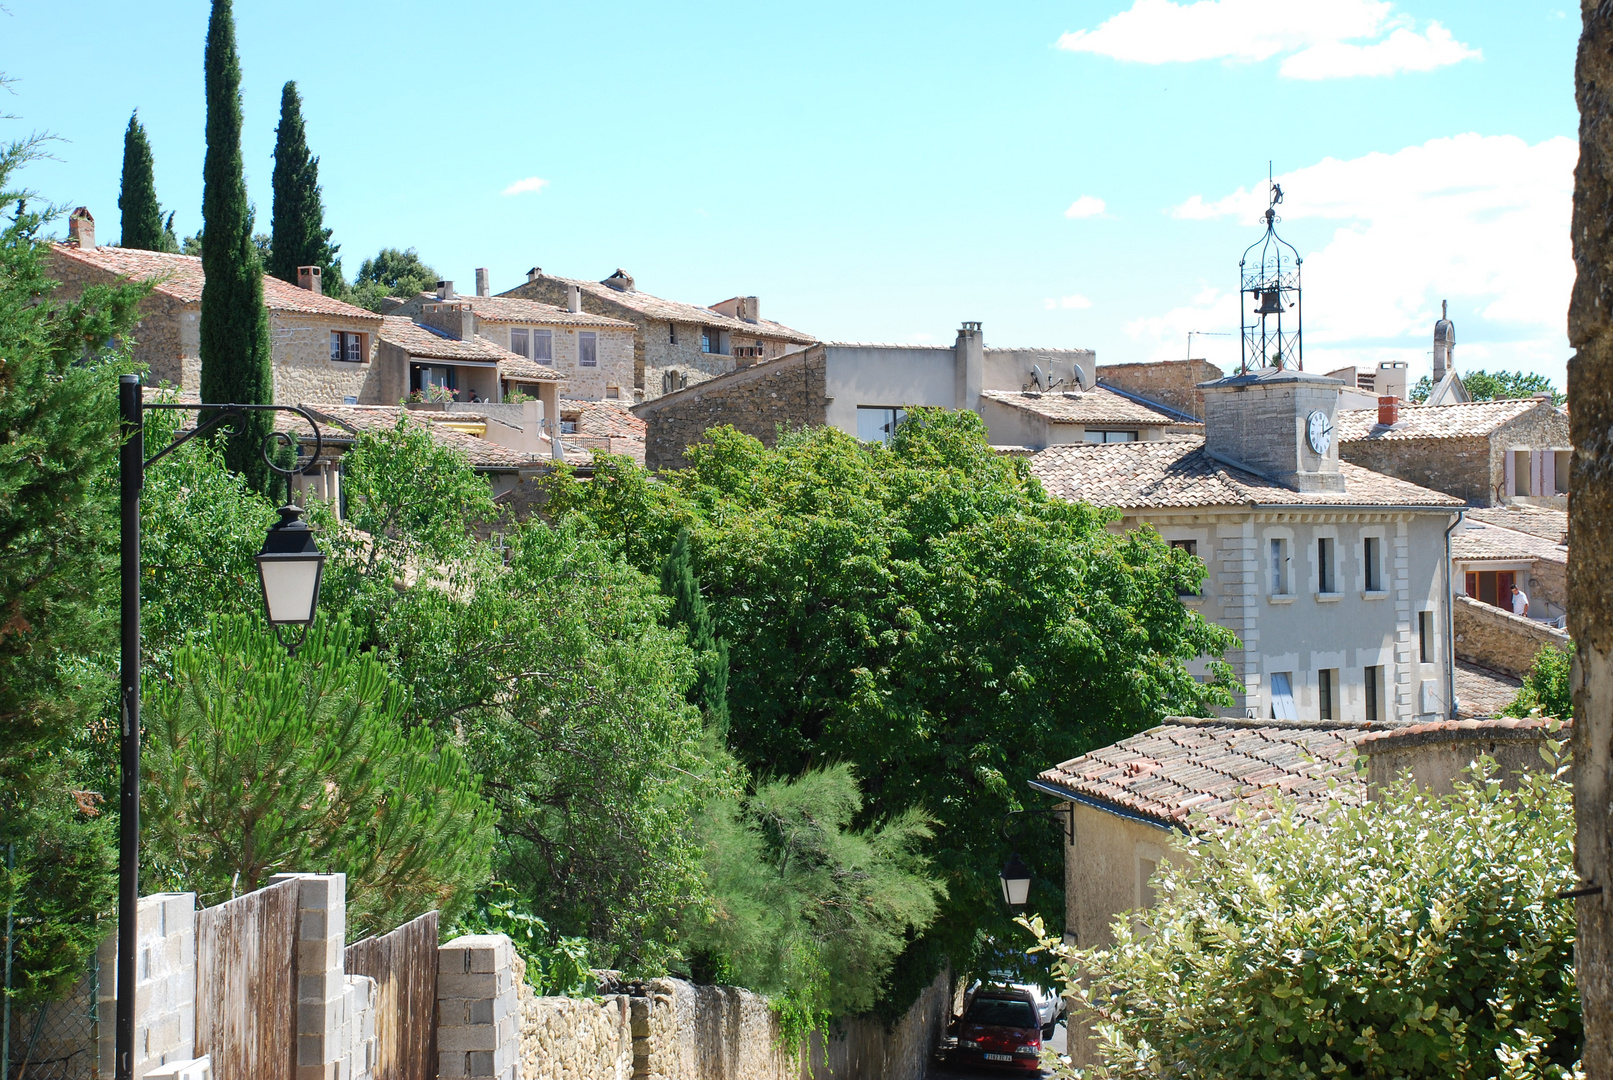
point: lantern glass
(1016, 881)
(290, 586)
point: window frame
(1372, 687)
(587, 348)
(349, 347)
(1327, 577)
(1425, 637)
(1372, 564)
(524, 336)
(547, 338)
(1327, 681)
(1280, 696)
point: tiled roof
(674, 311)
(511, 309)
(1478, 540)
(520, 369)
(1493, 728)
(1100, 405)
(433, 344)
(180, 276)
(1213, 767)
(1465, 420)
(1535, 520)
(1179, 473)
(1482, 691)
(358, 419)
(604, 419)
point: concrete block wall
(165, 987)
(334, 1010)
(478, 1014)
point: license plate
(999, 1057)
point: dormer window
(346, 347)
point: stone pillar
(477, 1016)
(321, 975)
(165, 994)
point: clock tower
(1277, 423)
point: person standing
(1520, 601)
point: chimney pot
(534, 273)
(445, 290)
(573, 299)
(1388, 410)
(81, 229)
(483, 285)
(310, 278)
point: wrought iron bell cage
(1269, 294)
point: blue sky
(884, 171)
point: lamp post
(289, 567)
(1015, 876)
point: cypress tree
(142, 217)
(235, 355)
(689, 610)
(297, 235)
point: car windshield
(1002, 1012)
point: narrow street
(945, 1070)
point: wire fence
(58, 1040)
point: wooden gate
(404, 967)
(246, 985)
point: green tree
(391, 273)
(1416, 936)
(1484, 386)
(297, 233)
(1546, 687)
(927, 614)
(260, 762)
(142, 217)
(236, 362)
(170, 239)
(710, 690)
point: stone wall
(1458, 467)
(1173, 383)
(167, 334)
(1435, 756)
(758, 400)
(1490, 637)
(304, 371)
(574, 1038)
(1543, 427)
(613, 349)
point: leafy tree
(1546, 687)
(236, 363)
(1416, 936)
(927, 614)
(262, 762)
(298, 236)
(170, 239)
(191, 245)
(58, 445)
(1484, 386)
(807, 908)
(142, 217)
(689, 610)
(391, 273)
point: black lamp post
(289, 566)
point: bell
(1271, 303)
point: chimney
(1390, 379)
(81, 229)
(1444, 343)
(1388, 410)
(573, 299)
(969, 366)
(534, 274)
(483, 287)
(621, 281)
(310, 278)
(445, 290)
(750, 309)
(457, 319)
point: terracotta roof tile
(512, 309)
(1100, 405)
(1478, 540)
(672, 310)
(1481, 691)
(1461, 420)
(1490, 728)
(605, 419)
(358, 419)
(1178, 473)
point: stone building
(1486, 453)
(1172, 383)
(1029, 398)
(421, 361)
(592, 353)
(1335, 579)
(1491, 558)
(675, 344)
(322, 348)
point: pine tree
(298, 236)
(236, 363)
(142, 217)
(689, 610)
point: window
(1326, 681)
(1110, 436)
(1563, 463)
(519, 341)
(543, 346)
(1374, 688)
(1425, 636)
(587, 349)
(1279, 566)
(1192, 548)
(878, 424)
(1324, 565)
(347, 348)
(1369, 560)
(1520, 472)
(708, 340)
(1282, 696)
(1492, 586)
(426, 376)
(613, 391)
(672, 332)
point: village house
(429, 362)
(675, 344)
(1028, 398)
(322, 349)
(592, 353)
(1335, 579)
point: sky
(1074, 175)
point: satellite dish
(1037, 378)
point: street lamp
(289, 566)
(1016, 879)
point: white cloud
(1073, 302)
(1319, 39)
(1086, 206)
(1480, 220)
(530, 184)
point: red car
(999, 1027)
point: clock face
(1320, 432)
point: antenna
(1036, 376)
(1191, 334)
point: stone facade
(615, 353)
(167, 334)
(787, 393)
(1436, 756)
(574, 1038)
(1173, 382)
(1493, 638)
